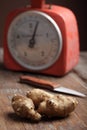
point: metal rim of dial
(13, 50)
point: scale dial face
(34, 40)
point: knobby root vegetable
(38, 103)
(57, 107)
(24, 107)
(52, 105)
(38, 95)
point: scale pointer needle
(32, 40)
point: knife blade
(49, 85)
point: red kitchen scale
(41, 38)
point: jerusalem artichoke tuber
(52, 105)
(38, 95)
(40, 103)
(24, 107)
(57, 107)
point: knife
(49, 85)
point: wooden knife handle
(38, 82)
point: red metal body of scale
(67, 30)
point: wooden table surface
(9, 85)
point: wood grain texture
(81, 68)
(9, 85)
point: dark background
(79, 7)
